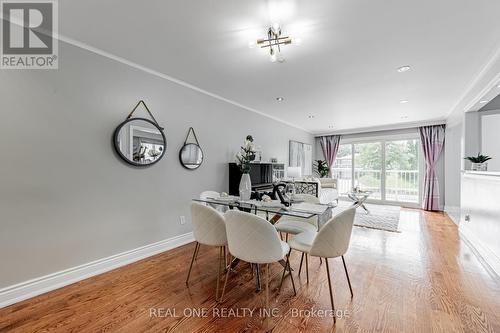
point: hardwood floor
(423, 279)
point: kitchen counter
(482, 173)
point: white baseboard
(486, 256)
(34, 287)
(454, 213)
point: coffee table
(359, 197)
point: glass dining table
(273, 211)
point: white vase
(479, 166)
(245, 187)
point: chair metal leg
(225, 256)
(291, 275)
(301, 259)
(287, 266)
(257, 280)
(267, 288)
(347, 275)
(307, 269)
(219, 260)
(197, 246)
(331, 292)
(197, 251)
(282, 278)
(286, 237)
(221, 299)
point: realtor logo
(28, 30)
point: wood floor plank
(423, 279)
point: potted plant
(244, 157)
(478, 163)
(322, 168)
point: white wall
(472, 136)
(453, 165)
(65, 197)
(490, 138)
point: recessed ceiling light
(280, 99)
(404, 117)
(483, 102)
(311, 116)
(331, 126)
(404, 69)
(498, 86)
(404, 101)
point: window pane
(368, 168)
(402, 176)
(342, 168)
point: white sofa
(327, 188)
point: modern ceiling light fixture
(483, 102)
(403, 69)
(274, 42)
(404, 101)
(280, 99)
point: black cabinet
(262, 176)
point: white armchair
(328, 190)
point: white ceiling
(344, 73)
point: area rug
(382, 217)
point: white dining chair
(331, 241)
(253, 239)
(209, 228)
(209, 194)
(296, 225)
(213, 195)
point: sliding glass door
(388, 168)
(342, 168)
(368, 168)
(402, 178)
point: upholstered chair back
(333, 238)
(309, 198)
(252, 239)
(208, 225)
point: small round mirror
(140, 141)
(191, 156)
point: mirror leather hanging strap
(191, 130)
(149, 112)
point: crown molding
(172, 79)
(391, 127)
(164, 76)
(481, 85)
